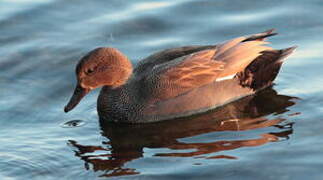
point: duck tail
(261, 72)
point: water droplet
(73, 123)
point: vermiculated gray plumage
(180, 81)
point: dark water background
(269, 136)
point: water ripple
(41, 41)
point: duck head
(100, 67)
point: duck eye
(89, 71)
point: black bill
(78, 94)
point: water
(274, 135)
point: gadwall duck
(177, 82)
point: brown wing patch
(179, 76)
(239, 56)
(194, 71)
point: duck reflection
(126, 142)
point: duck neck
(124, 76)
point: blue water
(274, 135)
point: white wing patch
(225, 78)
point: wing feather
(191, 72)
(183, 74)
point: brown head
(100, 67)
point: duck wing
(145, 65)
(185, 73)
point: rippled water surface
(277, 134)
